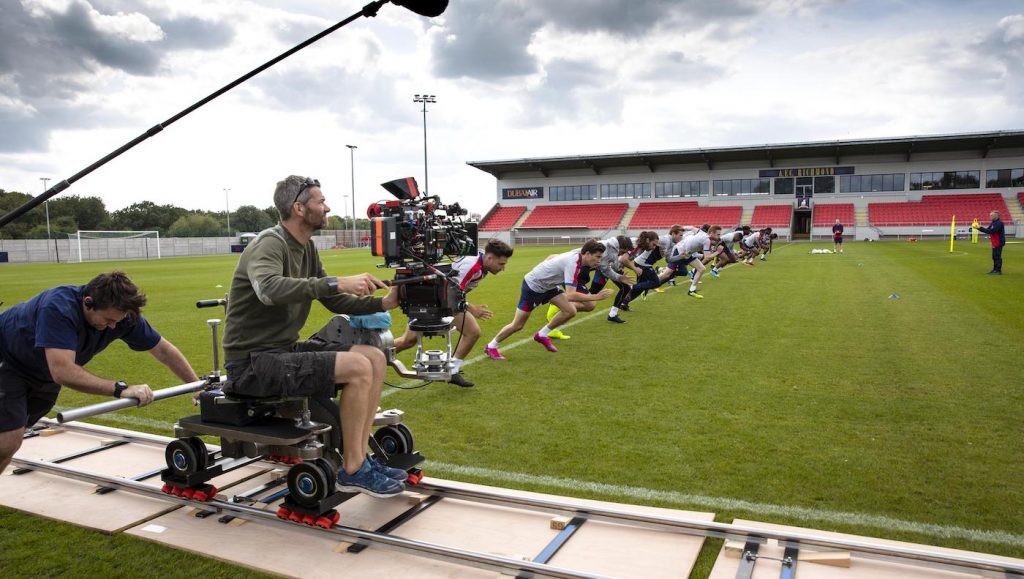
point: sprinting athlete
(470, 270)
(751, 246)
(544, 283)
(726, 242)
(617, 258)
(688, 251)
(647, 259)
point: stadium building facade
(905, 186)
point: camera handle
(213, 323)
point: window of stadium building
(743, 186)
(572, 192)
(871, 183)
(681, 189)
(1004, 178)
(626, 191)
(945, 180)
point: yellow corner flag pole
(974, 231)
(952, 233)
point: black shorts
(728, 252)
(305, 370)
(23, 400)
(838, 240)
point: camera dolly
(278, 429)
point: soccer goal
(103, 245)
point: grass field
(798, 392)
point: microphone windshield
(428, 8)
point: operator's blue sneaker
(392, 473)
(369, 481)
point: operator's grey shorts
(307, 369)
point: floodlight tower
(425, 98)
(352, 164)
(45, 180)
(227, 207)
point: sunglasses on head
(309, 182)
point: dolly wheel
(309, 520)
(283, 513)
(295, 517)
(182, 458)
(167, 489)
(308, 484)
(187, 493)
(393, 440)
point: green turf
(798, 386)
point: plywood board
(76, 502)
(513, 533)
(860, 567)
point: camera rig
(419, 236)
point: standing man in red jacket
(997, 234)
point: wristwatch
(119, 387)
(332, 283)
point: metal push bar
(122, 403)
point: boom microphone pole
(428, 8)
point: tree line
(71, 213)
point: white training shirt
(689, 244)
(562, 269)
(470, 270)
(752, 239)
(729, 238)
(664, 244)
(609, 264)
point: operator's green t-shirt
(272, 290)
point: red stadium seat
(502, 219)
(939, 210)
(772, 216)
(665, 214)
(825, 215)
(595, 216)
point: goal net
(104, 245)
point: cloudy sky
(512, 78)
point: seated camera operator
(278, 276)
(471, 269)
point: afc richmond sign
(806, 172)
(523, 193)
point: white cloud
(513, 79)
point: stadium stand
(598, 216)
(826, 215)
(661, 215)
(771, 216)
(938, 210)
(1020, 199)
(502, 218)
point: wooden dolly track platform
(485, 530)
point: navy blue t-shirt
(54, 319)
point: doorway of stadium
(801, 223)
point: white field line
(682, 499)
(724, 503)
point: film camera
(419, 236)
